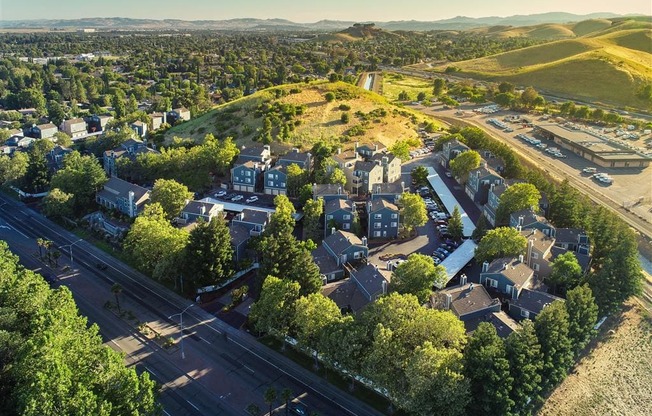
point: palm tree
(40, 243)
(286, 395)
(270, 398)
(48, 249)
(116, 289)
(55, 255)
(253, 409)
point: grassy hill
(355, 33)
(309, 117)
(610, 62)
(540, 32)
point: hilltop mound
(546, 31)
(636, 39)
(298, 115)
(358, 31)
(589, 26)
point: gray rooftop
(239, 234)
(529, 217)
(582, 259)
(378, 204)
(503, 323)
(295, 156)
(194, 207)
(253, 216)
(569, 235)
(365, 166)
(533, 300)
(346, 294)
(324, 261)
(337, 204)
(519, 273)
(323, 189)
(465, 299)
(341, 240)
(539, 240)
(116, 188)
(394, 188)
(371, 279)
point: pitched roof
(322, 189)
(253, 151)
(116, 188)
(378, 157)
(341, 240)
(529, 217)
(239, 234)
(324, 261)
(194, 207)
(378, 204)
(533, 300)
(296, 156)
(499, 189)
(513, 269)
(569, 235)
(465, 299)
(372, 146)
(503, 323)
(346, 294)
(337, 204)
(254, 216)
(365, 166)
(584, 260)
(244, 162)
(344, 157)
(46, 126)
(539, 240)
(371, 279)
(72, 121)
(395, 188)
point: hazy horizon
(305, 12)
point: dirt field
(616, 378)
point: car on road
(590, 170)
(221, 193)
(298, 408)
(251, 199)
(237, 198)
(101, 266)
(448, 174)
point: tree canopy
(171, 195)
(413, 211)
(464, 163)
(515, 198)
(82, 177)
(500, 242)
(417, 276)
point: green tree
(56, 112)
(274, 311)
(455, 225)
(403, 96)
(286, 395)
(329, 96)
(464, 163)
(565, 207)
(582, 316)
(421, 96)
(529, 96)
(439, 87)
(81, 176)
(296, 178)
(526, 363)
(417, 276)
(420, 176)
(500, 242)
(62, 139)
(480, 228)
(565, 271)
(13, 168)
(282, 220)
(551, 326)
(154, 244)
(270, 398)
(413, 211)
(506, 87)
(58, 204)
(37, 176)
(487, 368)
(401, 149)
(118, 104)
(116, 289)
(313, 314)
(515, 198)
(208, 257)
(171, 195)
(336, 177)
(345, 118)
(312, 225)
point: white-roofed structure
(235, 207)
(449, 200)
(458, 259)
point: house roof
(372, 146)
(499, 189)
(529, 217)
(337, 204)
(365, 166)
(254, 216)
(513, 269)
(46, 126)
(465, 299)
(344, 157)
(239, 234)
(378, 204)
(503, 323)
(583, 260)
(279, 168)
(346, 294)
(540, 241)
(324, 261)
(138, 123)
(245, 162)
(533, 300)
(156, 115)
(569, 235)
(256, 151)
(394, 188)
(341, 240)
(371, 279)
(73, 121)
(324, 189)
(194, 207)
(296, 156)
(116, 188)
(60, 150)
(378, 157)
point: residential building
(572, 239)
(55, 157)
(451, 150)
(339, 213)
(276, 179)
(365, 176)
(125, 197)
(158, 119)
(196, 210)
(346, 294)
(371, 281)
(328, 192)
(529, 304)
(390, 192)
(369, 150)
(493, 200)
(139, 127)
(503, 323)
(253, 220)
(346, 162)
(383, 219)
(507, 276)
(260, 154)
(538, 253)
(97, 123)
(178, 114)
(391, 166)
(526, 219)
(42, 131)
(337, 249)
(479, 183)
(20, 141)
(129, 149)
(245, 175)
(239, 239)
(75, 127)
(466, 300)
(301, 159)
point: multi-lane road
(224, 369)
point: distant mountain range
(250, 24)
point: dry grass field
(616, 378)
(394, 83)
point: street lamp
(70, 246)
(180, 314)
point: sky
(307, 10)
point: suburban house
(391, 166)
(301, 159)
(177, 114)
(55, 157)
(493, 200)
(158, 119)
(369, 150)
(75, 127)
(252, 220)
(466, 300)
(260, 154)
(42, 131)
(245, 174)
(139, 127)
(383, 219)
(125, 197)
(529, 304)
(526, 219)
(479, 183)
(130, 149)
(572, 239)
(346, 161)
(538, 254)
(389, 191)
(371, 281)
(328, 192)
(451, 150)
(365, 176)
(507, 275)
(364, 286)
(239, 240)
(339, 213)
(20, 141)
(97, 123)
(195, 210)
(276, 180)
(337, 249)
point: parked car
(439, 256)
(298, 409)
(220, 193)
(251, 199)
(589, 170)
(436, 259)
(237, 198)
(448, 174)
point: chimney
(364, 241)
(485, 266)
(333, 230)
(491, 188)
(402, 186)
(384, 283)
(514, 293)
(520, 258)
(448, 301)
(385, 159)
(202, 209)
(356, 145)
(471, 286)
(295, 150)
(520, 220)
(132, 209)
(255, 165)
(462, 279)
(518, 228)
(375, 147)
(339, 150)
(504, 266)
(339, 190)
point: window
(525, 314)
(535, 256)
(248, 180)
(346, 226)
(357, 255)
(270, 176)
(248, 173)
(376, 233)
(377, 225)
(492, 283)
(346, 217)
(270, 183)
(536, 267)
(282, 184)
(378, 216)
(394, 224)
(394, 216)
(329, 217)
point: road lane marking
(248, 369)
(150, 371)
(195, 407)
(202, 338)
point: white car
(220, 193)
(589, 170)
(251, 199)
(237, 198)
